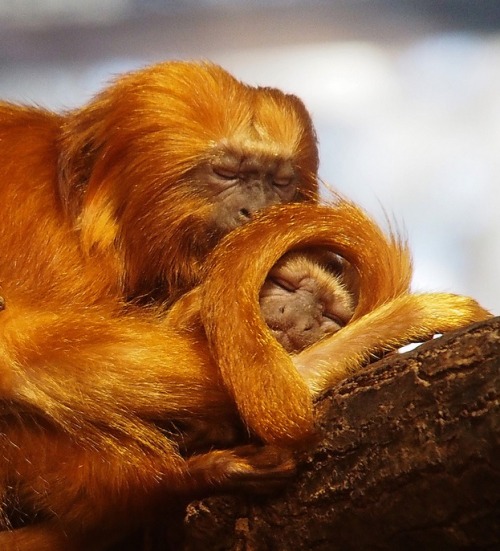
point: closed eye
(336, 319)
(225, 173)
(283, 284)
(282, 182)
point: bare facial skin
(240, 185)
(305, 299)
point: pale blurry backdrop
(405, 97)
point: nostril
(245, 213)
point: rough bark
(409, 459)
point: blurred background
(405, 97)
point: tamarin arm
(406, 319)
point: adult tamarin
(106, 212)
(129, 193)
(116, 205)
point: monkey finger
(251, 467)
(271, 468)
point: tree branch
(409, 459)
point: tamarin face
(305, 299)
(240, 184)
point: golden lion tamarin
(112, 209)
(87, 389)
(137, 186)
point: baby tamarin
(307, 296)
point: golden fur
(94, 383)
